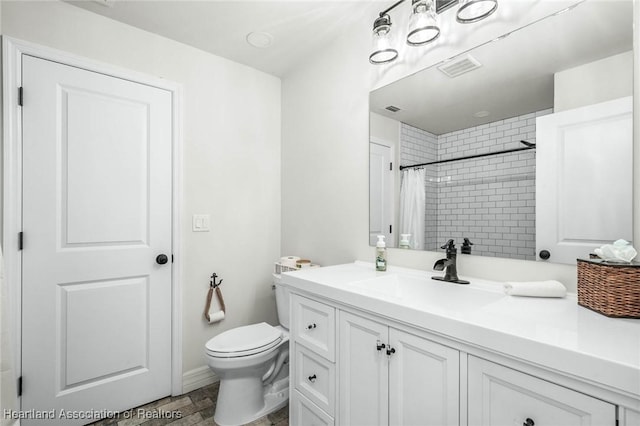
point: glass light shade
(383, 50)
(475, 10)
(423, 27)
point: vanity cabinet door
(631, 417)
(424, 382)
(363, 371)
(498, 395)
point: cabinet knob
(391, 351)
(528, 422)
(311, 326)
(312, 379)
(544, 254)
(380, 346)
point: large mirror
(570, 74)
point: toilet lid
(243, 341)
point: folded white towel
(550, 288)
(619, 251)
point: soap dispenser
(381, 254)
(404, 241)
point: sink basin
(418, 292)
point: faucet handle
(466, 246)
(449, 245)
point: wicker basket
(612, 289)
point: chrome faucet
(448, 265)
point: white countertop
(554, 333)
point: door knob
(544, 254)
(161, 259)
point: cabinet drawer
(314, 377)
(314, 325)
(499, 395)
(306, 413)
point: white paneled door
(97, 188)
(584, 168)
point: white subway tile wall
(490, 200)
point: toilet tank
(282, 302)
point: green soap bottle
(381, 254)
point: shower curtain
(8, 397)
(412, 206)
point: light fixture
(423, 27)
(475, 10)
(383, 51)
(423, 24)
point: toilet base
(276, 396)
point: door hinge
(20, 240)
(20, 96)
(20, 386)
(391, 166)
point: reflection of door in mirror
(583, 179)
(381, 196)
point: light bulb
(475, 10)
(423, 27)
(383, 50)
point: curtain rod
(528, 145)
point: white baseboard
(197, 378)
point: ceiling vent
(392, 108)
(458, 66)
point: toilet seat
(244, 341)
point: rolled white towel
(550, 288)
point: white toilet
(252, 363)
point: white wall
(599, 81)
(385, 129)
(325, 146)
(231, 130)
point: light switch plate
(201, 223)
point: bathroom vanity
(396, 347)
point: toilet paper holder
(211, 312)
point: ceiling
(298, 27)
(516, 75)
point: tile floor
(194, 408)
